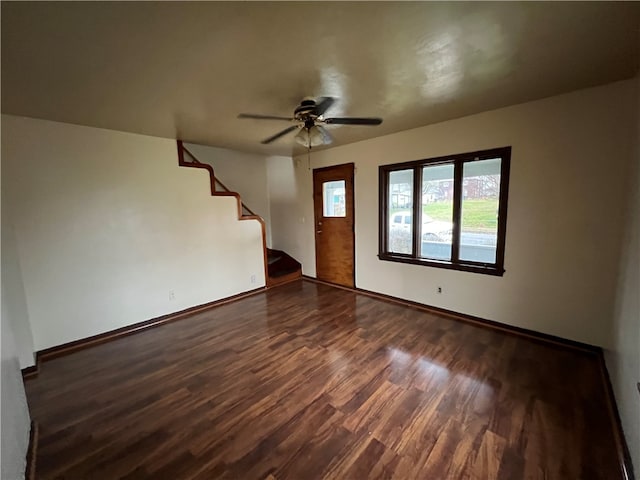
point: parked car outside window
(432, 230)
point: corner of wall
(623, 358)
(289, 214)
(14, 303)
(15, 412)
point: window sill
(463, 267)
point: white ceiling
(185, 70)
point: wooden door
(333, 215)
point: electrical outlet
(253, 279)
(172, 295)
(439, 289)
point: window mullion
(383, 214)
(417, 217)
(457, 211)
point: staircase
(279, 267)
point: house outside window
(446, 212)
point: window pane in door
(480, 206)
(400, 208)
(437, 211)
(333, 199)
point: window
(400, 186)
(333, 199)
(459, 204)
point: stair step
(279, 264)
(283, 272)
(271, 260)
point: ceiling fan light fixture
(302, 137)
(318, 136)
(313, 136)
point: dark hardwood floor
(307, 381)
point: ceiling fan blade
(263, 117)
(353, 121)
(323, 105)
(279, 134)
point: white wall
(14, 413)
(107, 224)
(623, 360)
(13, 298)
(244, 173)
(571, 154)
(286, 211)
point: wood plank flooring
(307, 381)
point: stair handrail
(216, 179)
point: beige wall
(623, 359)
(107, 225)
(571, 156)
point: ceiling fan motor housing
(305, 108)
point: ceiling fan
(309, 120)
